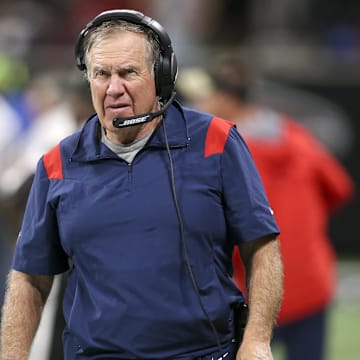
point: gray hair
(113, 26)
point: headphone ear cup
(165, 75)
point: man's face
(120, 77)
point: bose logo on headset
(166, 68)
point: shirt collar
(90, 148)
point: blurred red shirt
(304, 184)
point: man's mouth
(119, 108)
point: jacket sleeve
(38, 249)
(247, 209)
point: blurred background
(306, 53)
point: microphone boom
(120, 122)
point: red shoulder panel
(53, 163)
(216, 136)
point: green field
(345, 320)
(344, 342)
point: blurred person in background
(11, 120)
(52, 118)
(144, 284)
(305, 184)
(15, 40)
(57, 103)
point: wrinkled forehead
(116, 49)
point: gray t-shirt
(125, 151)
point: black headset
(166, 68)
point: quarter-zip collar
(88, 145)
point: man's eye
(129, 71)
(100, 74)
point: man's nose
(116, 86)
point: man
(142, 206)
(305, 184)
